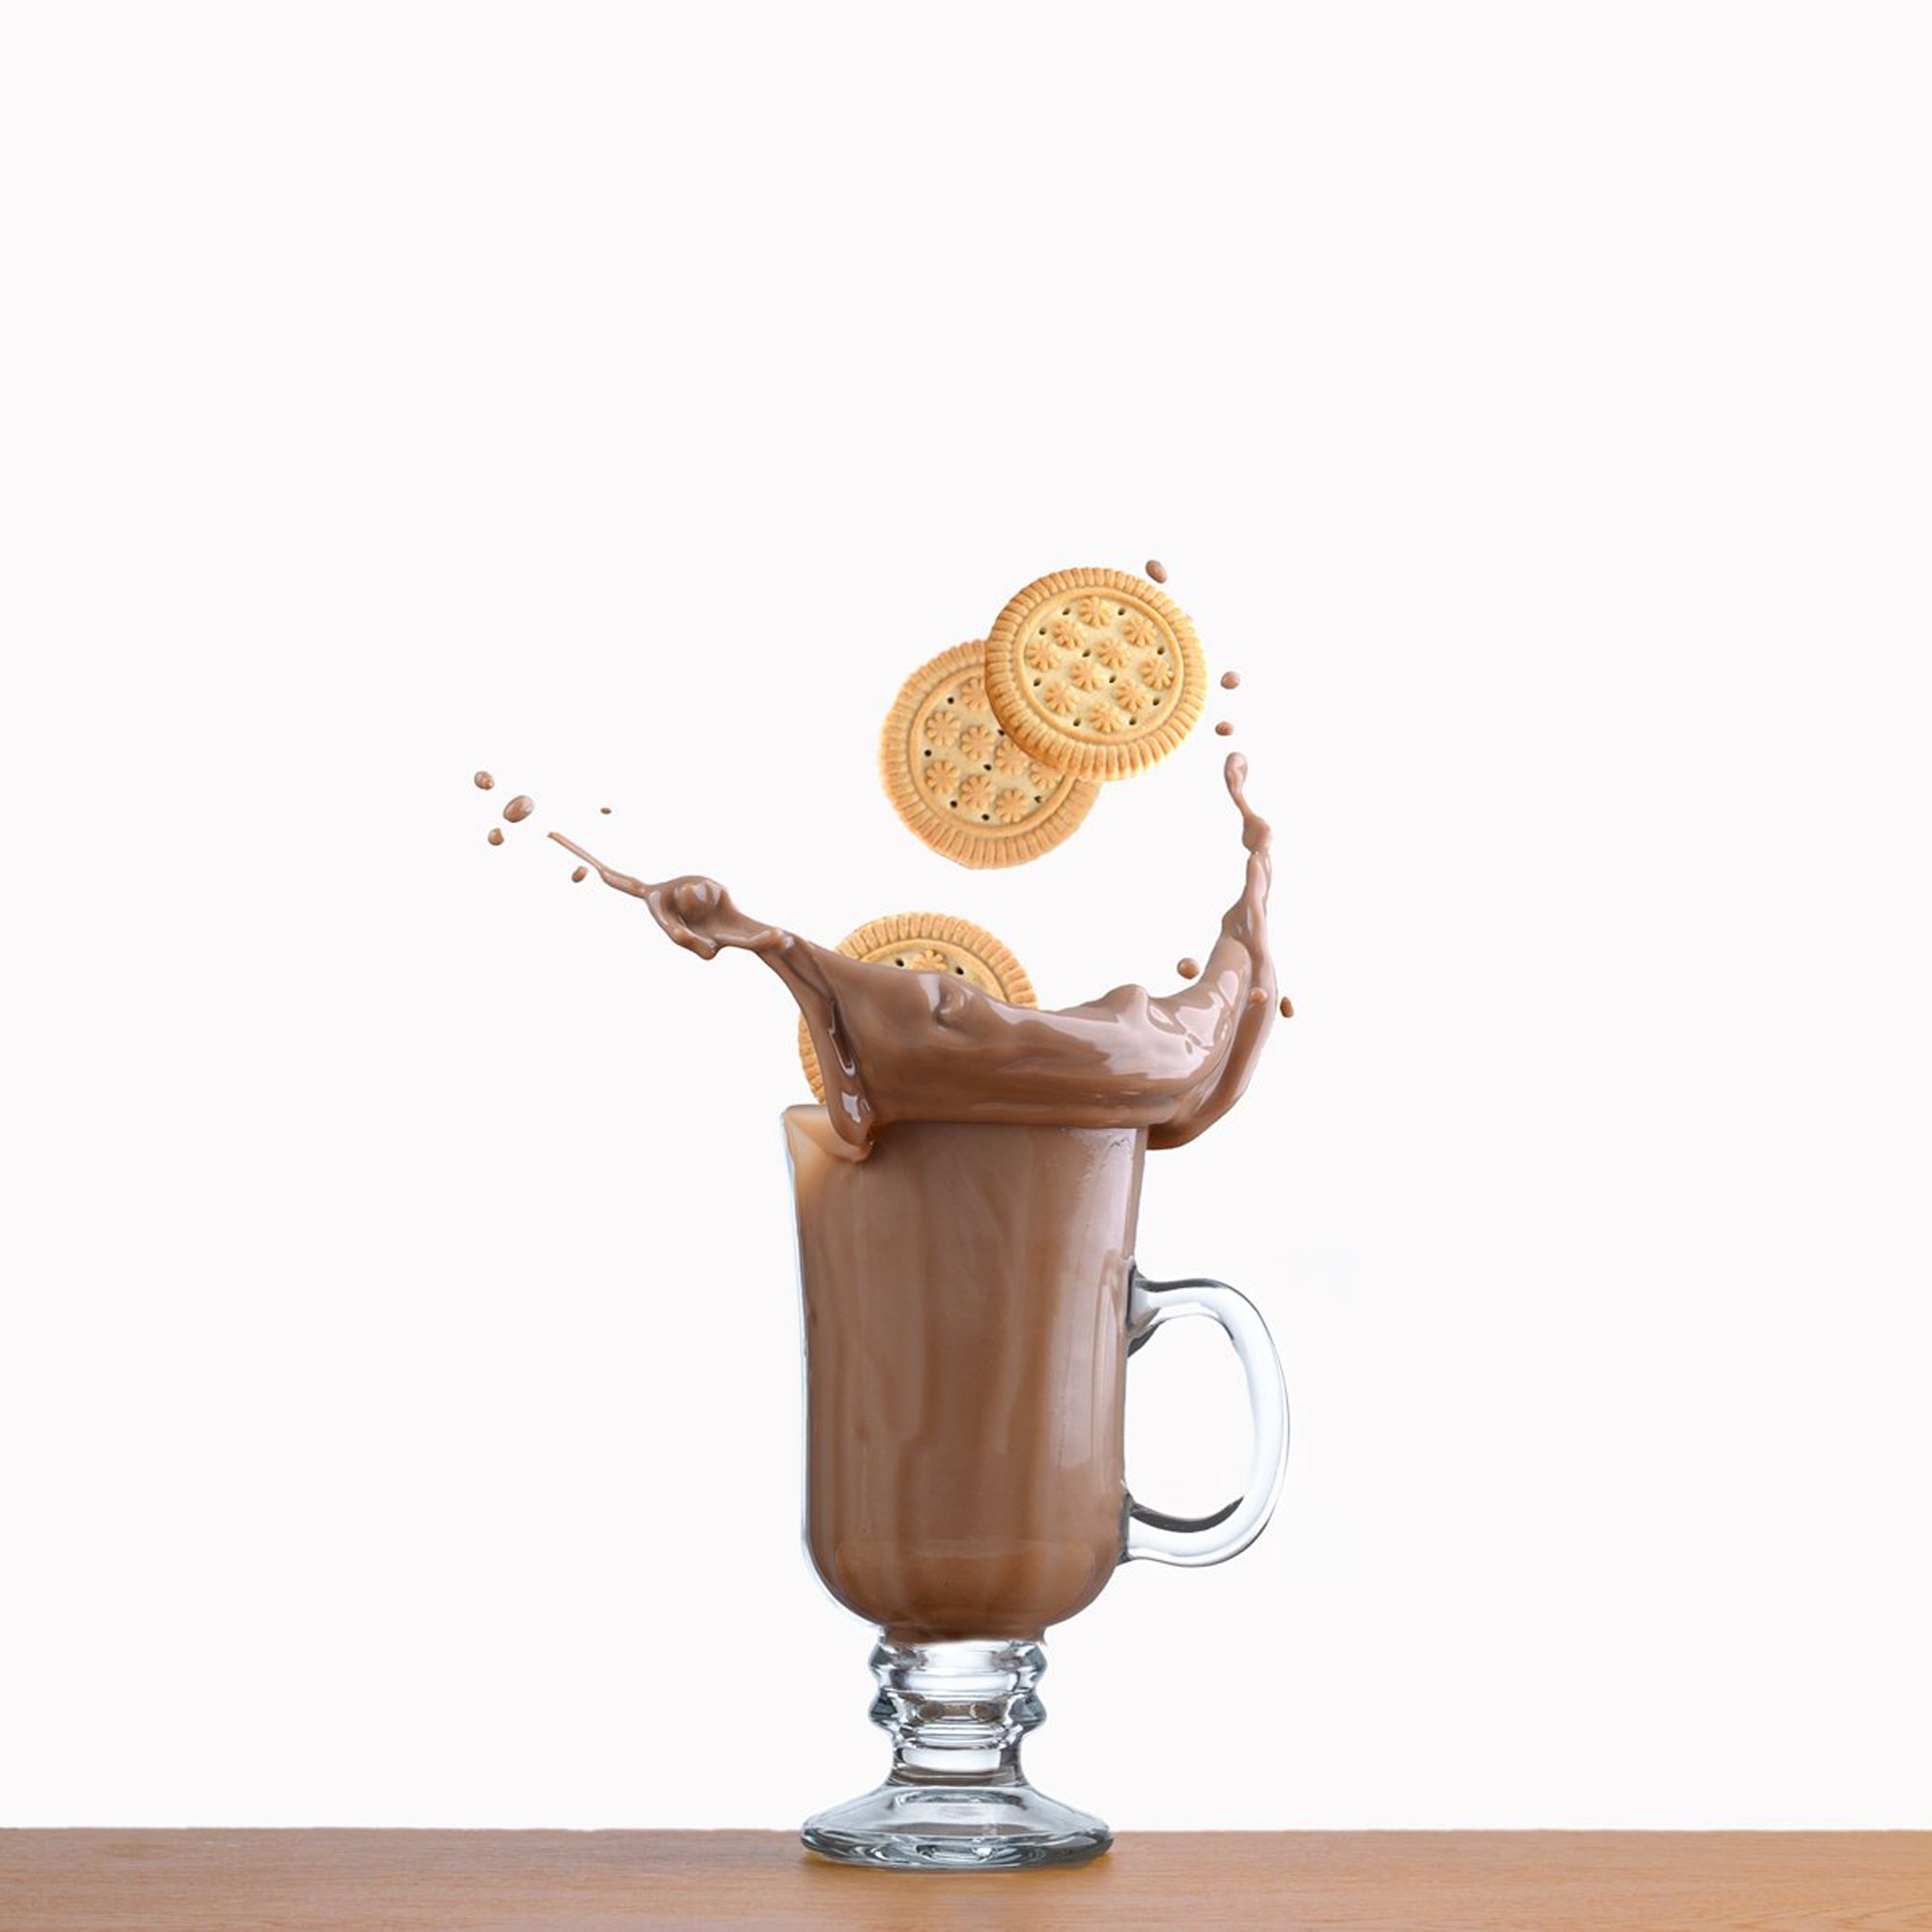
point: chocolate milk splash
(926, 1047)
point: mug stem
(955, 1798)
(956, 1711)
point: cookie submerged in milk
(928, 942)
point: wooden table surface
(326, 1881)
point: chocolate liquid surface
(897, 1046)
(965, 1346)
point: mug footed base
(956, 1799)
(955, 1828)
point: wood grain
(327, 1881)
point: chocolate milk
(965, 1350)
(966, 1207)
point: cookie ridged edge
(981, 851)
(1101, 762)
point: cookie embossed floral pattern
(1097, 665)
(988, 776)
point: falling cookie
(961, 782)
(929, 942)
(1096, 672)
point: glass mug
(970, 1302)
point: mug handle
(1195, 1541)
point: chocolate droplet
(484, 781)
(496, 835)
(1188, 969)
(1231, 680)
(1287, 1008)
(577, 877)
(604, 809)
(520, 807)
(1258, 996)
(1224, 730)
(1156, 570)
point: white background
(398, 1355)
